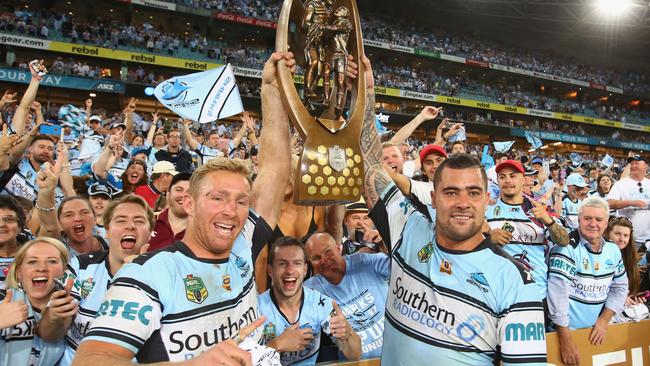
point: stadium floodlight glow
(613, 8)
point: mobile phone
(508, 227)
(358, 237)
(58, 285)
(50, 130)
(38, 68)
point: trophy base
(329, 173)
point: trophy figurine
(321, 34)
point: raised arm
(427, 113)
(47, 179)
(20, 145)
(128, 120)
(89, 106)
(38, 112)
(376, 179)
(191, 142)
(20, 118)
(242, 131)
(274, 153)
(100, 167)
(152, 128)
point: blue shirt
(91, 279)
(451, 307)
(19, 345)
(530, 240)
(314, 314)
(361, 294)
(582, 281)
(170, 305)
(21, 182)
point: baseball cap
(97, 189)
(139, 150)
(359, 206)
(514, 164)
(530, 171)
(118, 124)
(575, 179)
(636, 157)
(432, 149)
(95, 118)
(164, 167)
(537, 160)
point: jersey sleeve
(129, 313)
(380, 262)
(561, 272)
(522, 337)
(257, 233)
(390, 214)
(618, 290)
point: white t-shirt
(408, 169)
(422, 190)
(629, 189)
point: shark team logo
(86, 287)
(174, 91)
(195, 290)
(478, 279)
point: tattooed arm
(375, 179)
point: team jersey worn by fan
(19, 345)
(361, 294)
(170, 305)
(582, 281)
(20, 181)
(570, 212)
(530, 239)
(452, 307)
(206, 152)
(314, 313)
(91, 276)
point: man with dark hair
(448, 282)
(457, 147)
(20, 179)
(175, 154)
(12, 222)
(172, 221)
(162, 174)
(296, 315)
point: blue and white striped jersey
(314, 314)
(20, 345)
(570, 212)
(361, 294)
(530, 240)
(452, 307)
(91, 279)
(582, 281)
(170, 305)
(20, 181)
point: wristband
(44, 209)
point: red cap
(432, 149)
(514, 164)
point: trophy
(321, 34)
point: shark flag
(203, 96)
(534, 141)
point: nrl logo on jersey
(195, 290)
(424, 254)
(86, 287)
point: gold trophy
(321, 34)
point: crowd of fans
(122, 227)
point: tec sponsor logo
(129, 310)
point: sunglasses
(640, 187)
(618, 219)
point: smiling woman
(30, 284)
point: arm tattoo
(376, 180)
(559, 235)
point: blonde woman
(31, 282)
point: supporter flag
(503, 146)
(608, 160)
(534, 141)
(203, 96)
(576, 158)
(486, 160)
(381, 130)
(460, 135)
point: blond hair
(12, 276)
(218, 164)
(129, 198)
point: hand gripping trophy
(321, 34)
